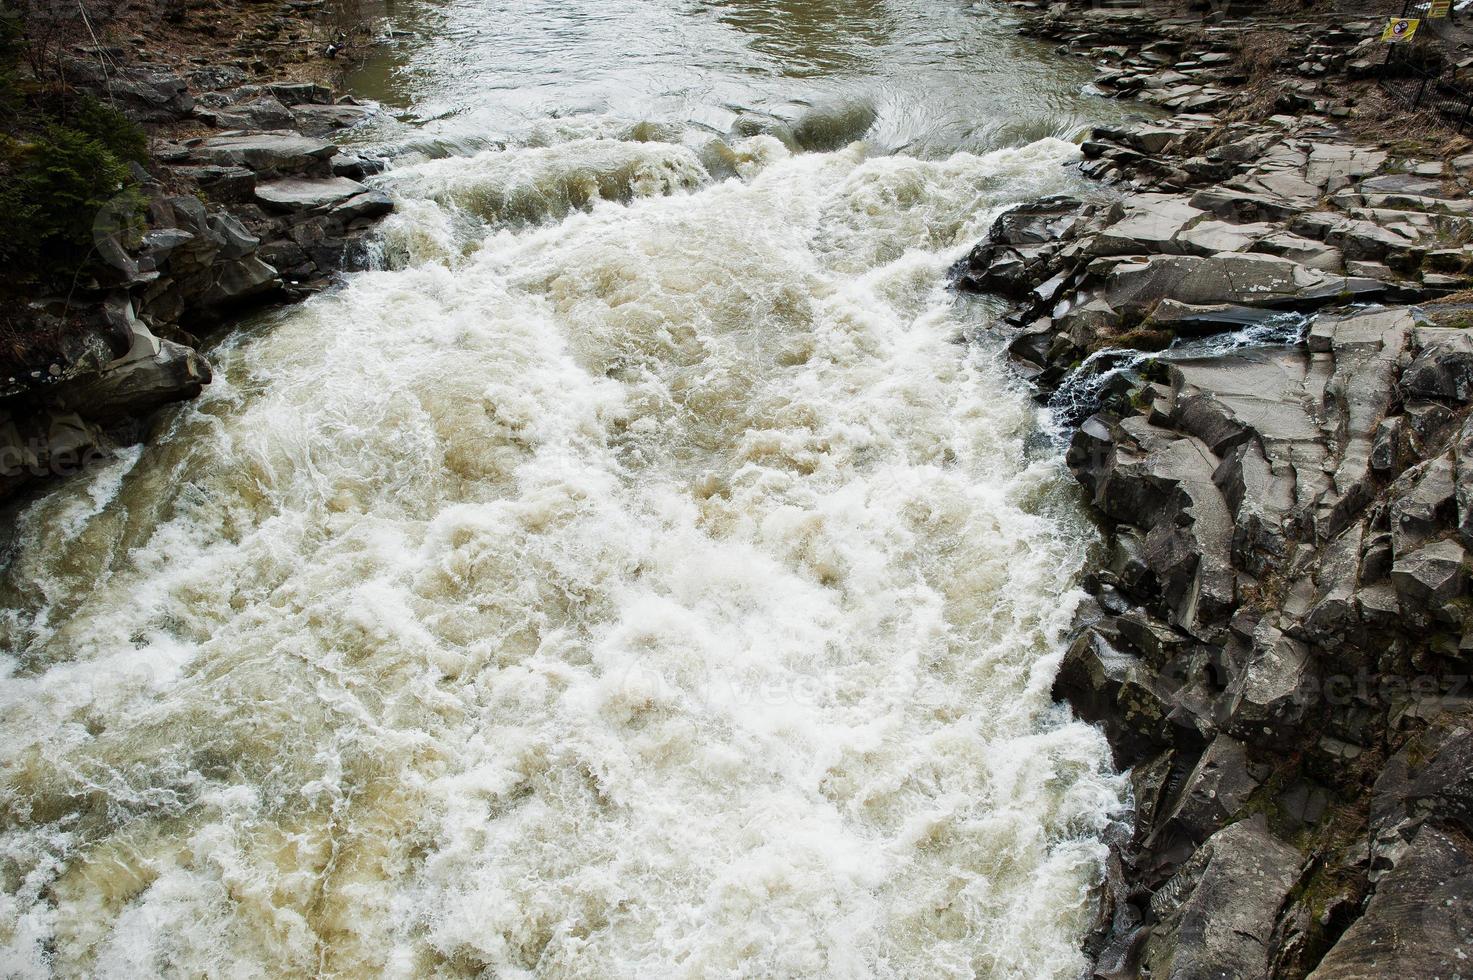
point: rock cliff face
(1280, 635)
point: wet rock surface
(264, 207)
(1270, 413)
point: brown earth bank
(168, 165)
(1258, 332)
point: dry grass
(1375, 118)
(28, 343)
(1454, 310)
(268, 40)
(1425, 133)
(1257, 59)
(1259, 52)
(1461, 298)
(50, 30)
(1354, 8)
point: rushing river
(638, 576)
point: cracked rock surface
(1280, 634)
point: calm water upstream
(634, 578)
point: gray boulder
(301, 93)
(1329, 161)
(1235, 278)
(262, 113)
(1419, 922)
(320, 120)
(1371, 241)
(215, 77)
(1273, 690)
(1422, 503)
(1242, 205)
(355, 166)
(1463, 482)
(1217, 788)
(1212, 237)
(143, 93)
(237, 281)
(308, 194)
(1217, 915)
(265, 153)
(1156, 479)
(1401, 184)
(1144, 138)
(1110, 686)
(232, 185)
(152, 373)
(1443, 367)
(367, 206)
(1150, 225)
(1017, 253)
(230, 236)
(1430, 779)
(216, 267)
(1305, 251)
(1431, 575)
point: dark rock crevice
(1280, 626)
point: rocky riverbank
(1280, 634)
(243, 199)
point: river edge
(245, 202)
(1279, 634)
(1064, 943)
(1127, 161)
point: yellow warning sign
(1439, 8)
(1399, 30)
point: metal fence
(1419, 76)
(1417, 86)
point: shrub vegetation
(64, 155)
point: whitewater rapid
(639, 576)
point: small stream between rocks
(1117, 369)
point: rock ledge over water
(1280, 631)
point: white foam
(657, 592)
